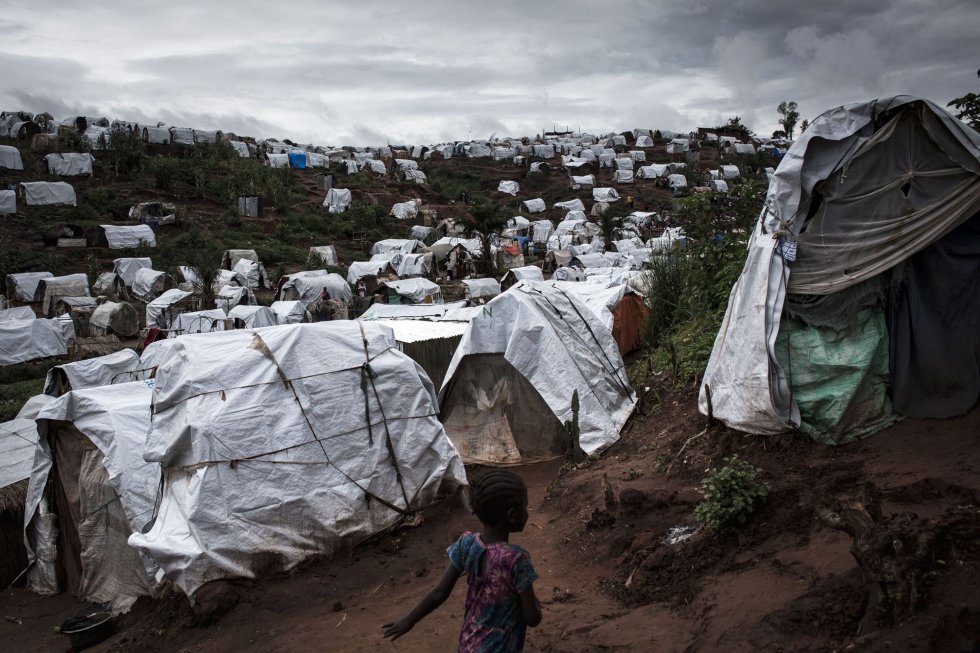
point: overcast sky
(366, 72)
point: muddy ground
(787, 581)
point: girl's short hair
(495, 492)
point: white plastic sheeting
(584, 180)
(123, 237)
(290, 312)
(375, 166)
(146, 282)
(254, 273)
(24, 337)
(48, 193)
(526, 272)
(730, 172)
(8, 202)
(22, 286)
(865, 225)
(412, 265)
(677, 181)
(207, 321)
(652, 171)
(308, 286)
(323, 255)
(718, 185)
(270, 397)
(624, 177)
(509, 187)
(405, 210)
(228, 297)
(18, 439)
(360, 269)
(127, 268)
(571, 205)
(10, 158)
(481, 288)
(536, 205)
(278, 160)
(557, 346)
(158, 306)
(403, 245)
(417, 291)
(70, 163)
(337, 200)
(111, 486)
(117, 367)
(541, 230)
(605, 194)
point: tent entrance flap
(495, 416)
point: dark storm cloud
(374, 71)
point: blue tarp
(297, 160)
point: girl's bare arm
(436, 597)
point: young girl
(500, 601)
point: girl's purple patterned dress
(493, 621)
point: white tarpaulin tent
(70, 163)
(416, 291)
(290, 312)
(412, 265)
(535, 205)
(337, 200)
(730, 172)
(307, 287)
(212, 319)
(585, 180)
(866, 187)
(254, 273)
(158, 307)
(605, 194)
(8, 202)
(22, 286)
(148, 283)
(254, 317)
(360, 269)
(541, 230)
(481, 288)
(403, 245)
(45, 193)
(571, 205)
(51, 289)
(323, 255)
(652, 171)
(405, 210)
(117, 367)
(124, 237)
(270, 397)
(97, 463)
(508, 390)
(10, 158)
(127, 268)
(509, 187)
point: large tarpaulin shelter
(290, 312)
(22, 286)
(161, 311)
(48, 193)
(90, 489)
(117, 367)
(69, 164)
(8, 202)
(23, 337)
(308, 286)
(10, 158)
(128, 236)
(414, 291)
(51, 289)
(254, 317)
(808, 340)
(508, 391)
(316, 472)
(119, 318)
(127, 268)
(337, 200)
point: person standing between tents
(500, 601)
(629, 201)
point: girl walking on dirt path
(500, 601)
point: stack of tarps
(125, 237)
(412, 291)
(127, 268)
(90, 490)
(22, 286)
(8, 202)
(10, 158)
(162, 311)
(70, 164)
(148, 284)
(290, 312)
(406, 210)
(119, 318)
(117, 367)
(48, 193)
(509, 388)
(269, 397)
(323, 255)
(309, 286)
(50, 289)
(254, 317)
(860, 276)
(337, 200)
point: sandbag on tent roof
(290, 312)
(337, 200)
(23, 337)
(413, 291)
(70, 164)
(127, 268)
(123, 237)
(8, 202)
(91, 484)
(307, 287)
(117, 367)
(254, 317)
(22, 286)
(119, 318)
(866, 187)
(320, 472)
(323, 255)
(48, 193)
(10, 158)
(541, 345)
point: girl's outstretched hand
(396, 629)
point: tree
(968, 108)
(804, 125)
(779, 133)
(790, 116)
(483, 222)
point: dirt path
(785, 582)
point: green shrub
(165, 172)
(731, 495)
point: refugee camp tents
(481, 288)
(117, 367)
(70, 164)
(323, 255)
(730, 172)
(541, 230)
(254, 273)
(406, 210)
(605, 194)
(718, 185)
(51, 289)
(110, 286)
(744, 148)
(290, 312)
(337, 200)
(125, 237)
(127, 268)
(644, 141)
(23, 337)
(204, 321)
(412, 291)
(571, 205)
(584, 180)
(48, 193)
(8, 202)
(513, 275)
(429, 343)
(254, 317)
(119, 318)
(90, 489)
(18, 439)
(872, 196)
(359, 269)
(228, 297)
(536, 205)
(402, 245)
(148, 284)
(509, 187)
(623, 176)
(308, 286)
(22, 286)
(652, 171)
(415, 265)
(268, 396)
(161, 311)
(508, 391)
(10, 158)
(620, 308)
